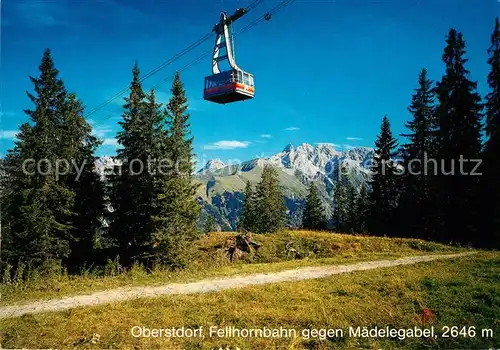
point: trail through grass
(455, 292)
(210, 260)
(204, 286)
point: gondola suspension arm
(223, 40)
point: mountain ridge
(221, 185)
(221, 189)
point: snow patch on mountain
(213, 165)
(304, 161)
(222, 183)
(308, 159)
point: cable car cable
(197, 43)
(248, 27)
(151, 73)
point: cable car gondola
(230, 85)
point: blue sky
(325, 71)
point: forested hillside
(60, 206)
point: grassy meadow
(209, 259)
(461, 292)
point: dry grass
(209, 260)
(460, 292)
(315, 248)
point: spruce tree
(490, 234)
(248, 219)
(340, 212)
(313, 216)
(460, 122)
(384, 194)
(38, 210)
(416, 211)
(177, 210)
(271, 208)
(79, 146)
(130, 190)
(68, 205)
(210, 224)
(362, 210)
(351, 208)
(346, 206)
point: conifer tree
(346, 206)
(490, 235)
(460, 122)
(313, 216)
(210, 224)
(271, 208)
(362, 210)
(384, 194)
(340, 212)
(38, 210)
(70, 202)
(248, 219)
(177, 210)
(416, 213)
(130, 192)
(78, 146)
(351, 208)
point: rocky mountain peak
(214, 164)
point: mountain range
(221, 186)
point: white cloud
(327, 144)
(101, 131)
(348, 146)
(227, 145)
(292, 128)
(266, 136)
(8, 134)
(354, 138)
(110, 142)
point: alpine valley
(221, 186)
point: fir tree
(340, 210)
(351, 208)
(68, 205)
(362, 210)
(384, 194)
(313, 216)
(210, 224)
(177, 210)
(248, 219)
(79, 146)
(460, 122)
(38, 211)
(131, 195)
(490, 235)
(346, 210)
(416, 213)
(271, 208)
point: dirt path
(205, 286)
